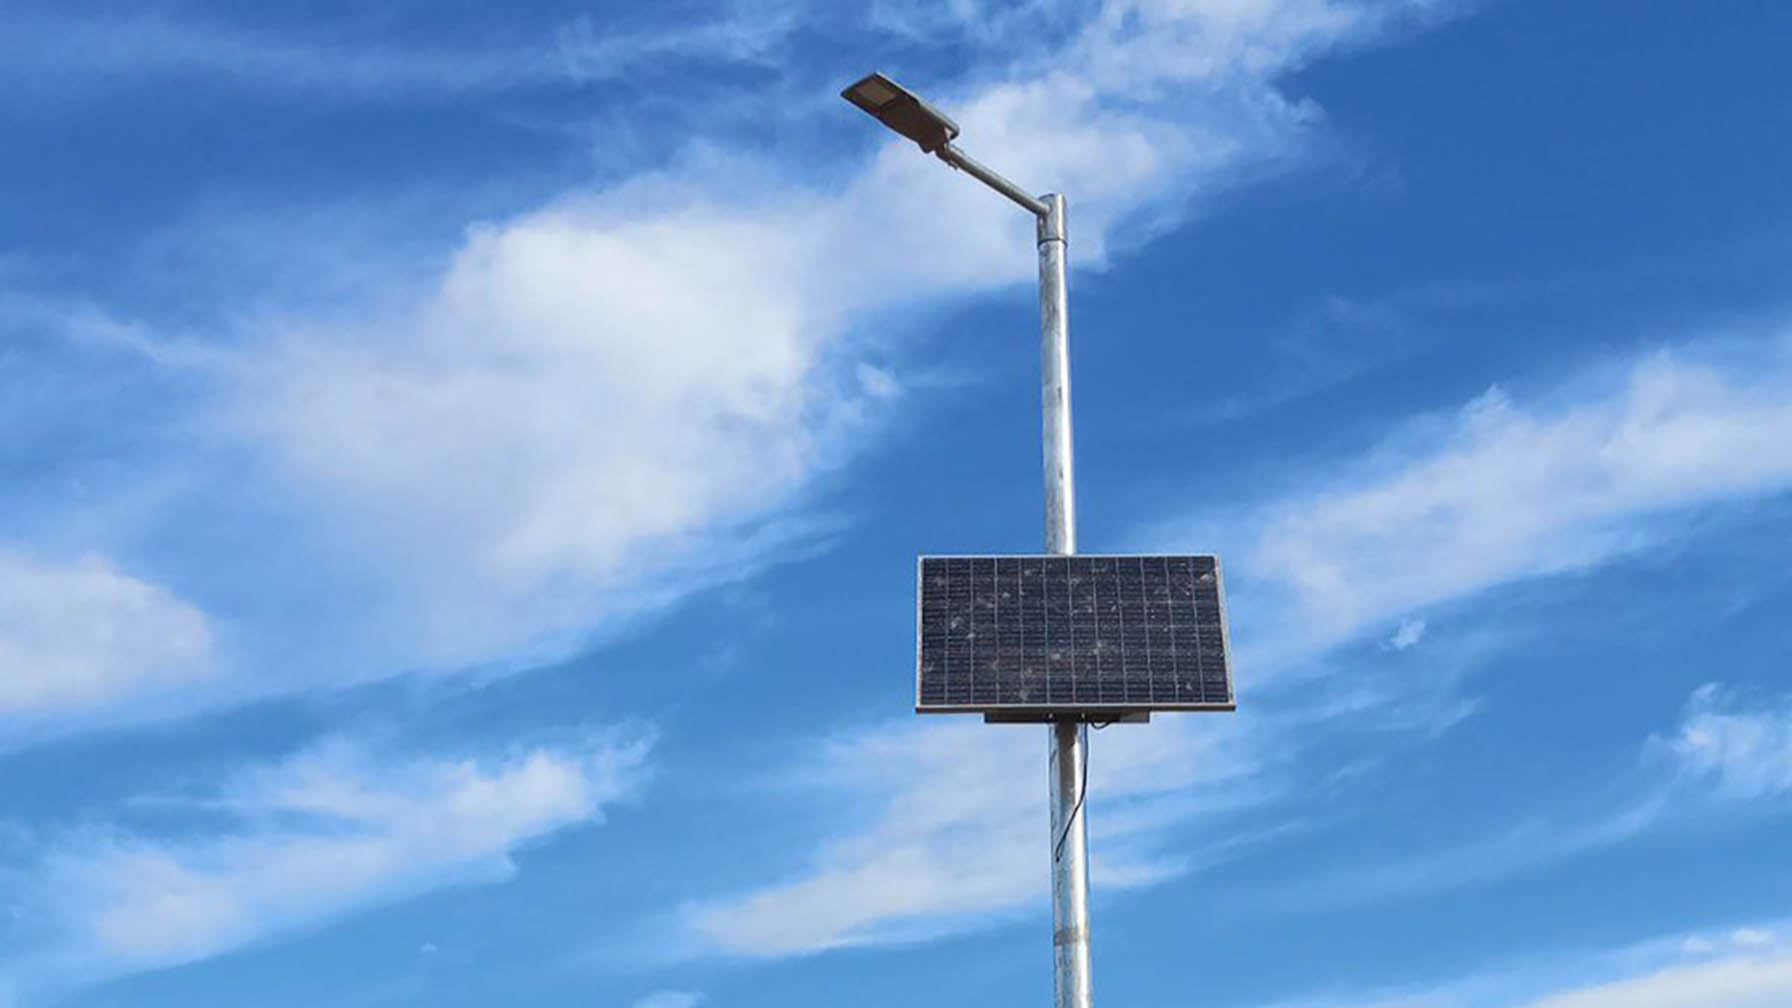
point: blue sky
(463, 468)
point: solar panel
(1084, 635)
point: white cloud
(1500, 493)
(1690, 971)
(1723, 751)
(670, 999)
(1747, 967)
(1525, 846)
(83, 634)
(956, 830)
(1505, 490)
(86, 53)
(331, 830)
(1410, 632)
(624, 394)
(1747, 981)
(949, 819)
(1740, 753)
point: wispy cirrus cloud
(335, 828)
(1740, 752)
(66, 53)
(670, 999)
(1448, 507)
(1725, 756)
(1744, 966)
(942, 825)
(954, 830)
(678, 364)
(1507, 488)
(598, 405)
(82, 634)
(1753, 980)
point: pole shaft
(1071, 981)
(1054, 385)
(1072, 984)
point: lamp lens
(874, 92)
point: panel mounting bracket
(1086, 717)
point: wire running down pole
(1071, 980)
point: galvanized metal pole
(1054, 380)
(1071, 981)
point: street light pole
(907, 114)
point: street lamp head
(900, 109)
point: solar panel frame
(1066, 693)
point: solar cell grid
(1061, 634)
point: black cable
(1082, 792)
